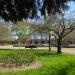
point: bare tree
(69, 39)
(60, 27)
(5, 33)
(43, 29)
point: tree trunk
(59, 46)
(41, 38)
(49, 43)
(19, 43)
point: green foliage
(20, 28)
(17, 58)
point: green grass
(53, 64)
(7, 51)
(71, 71)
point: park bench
(31, 46)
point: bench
(31, 46)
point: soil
(33, 65)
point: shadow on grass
(5, 49)
(37, 52)
(44, 53)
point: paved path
(69, 50)
(65, 50)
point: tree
(36, 28)
(54, 6)
(60, 27)
(43, 29)
(21, 29)
(16, 10)
(69, 39)
(5, 33)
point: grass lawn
(52, 64)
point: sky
(72, 7)
(71, 11)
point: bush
(19, 58)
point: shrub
(19, 58)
